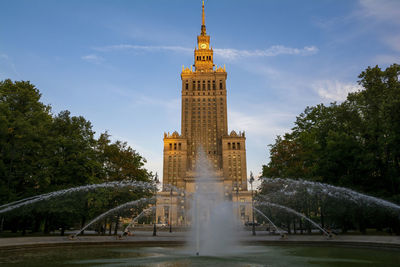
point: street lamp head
(251, 180)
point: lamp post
(183, 206)
(251, 180)
(155, 212)
(236, 188)
(170, 212)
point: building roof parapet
(220, 69)
(187, 70)
(190, 73)
(174, 135)
(234, 134)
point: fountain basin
(168, 249)
(128, 253)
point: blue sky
(118, 63)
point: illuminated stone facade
(204, 126)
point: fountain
(292, 186)
(145, 212)
(113, 210)
(293, 212)
(31, 200)
(269, 220)
(214, 224)
(215, 236)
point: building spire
(203, 21)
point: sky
(118, 62)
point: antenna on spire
(203, 21)
(203, 16)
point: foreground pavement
(180, 238)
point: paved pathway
(177, 238)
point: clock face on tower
(203, 46)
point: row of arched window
(203, 58)
(233, 146)
(201, 85)
(175, 146)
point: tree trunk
(83, 222)
(103, 229)
(36, 225)
(294, 225)
(308, 224)
(46, 225)
(116, 225)
(322, 218)
(301, 225)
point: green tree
(354, 144)
(41, 153)
(24, 123)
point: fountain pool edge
(178, 239)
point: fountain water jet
(291, 186)
(31, 200)
(213, 228)
(125, 205)
(140, 215)
(269, 220)
(294, 212)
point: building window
(242, 211)
(170, 146)
(229, 146)
(194, 85)
(166, 213)
(220, 85)
(238, 146)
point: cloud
(122, 47)
(265, 124)
(154, 159)
(387, 59)
(335, 90)
(382, 17)
(137, 99)
(226, 53)
(92, 58)
(275, 50)
(383, 10)
(9, 70)
(169, 104)
(393, 41)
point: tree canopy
(41, 152)
(355, 144)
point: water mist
(214, 225)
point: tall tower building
(204, 122)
